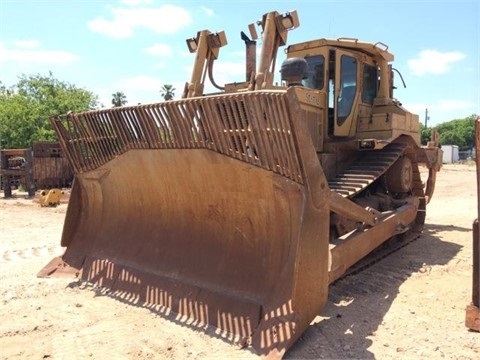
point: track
(363, 173)
(388, 248)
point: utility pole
(426, 117)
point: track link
(362, 173)
(388, 248)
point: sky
(137, 46)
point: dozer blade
(214, 208)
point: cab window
(315, 72)
(370, 83)
(348, 87)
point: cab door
(346, 93)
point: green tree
(458, 132)
(3, 89)
(167, 92)
(425, 134)
(26, 108)
(119, 99)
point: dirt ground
(410, 305)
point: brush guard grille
(253, 127)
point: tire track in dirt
(28, 253)
(88, 341)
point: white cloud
(434, 62)
(139, 82)
(229, 70)
(139, 89)
(443, 105)
(136, 2)
(166, 19)
(25, 55)
(162, 50)
(225, 72)
(441, 110)
(28, 44)
(416, 108)
(454, 105)
(207, 11)
(104, 97)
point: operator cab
(346, 75)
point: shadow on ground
(358, 303)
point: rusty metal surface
(217, 209)
(213, 208)
(251, 127)
(476, 264)
(16, 168)
(472, 315)
(476, 226)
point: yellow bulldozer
(238, 208)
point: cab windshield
(315, 72)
